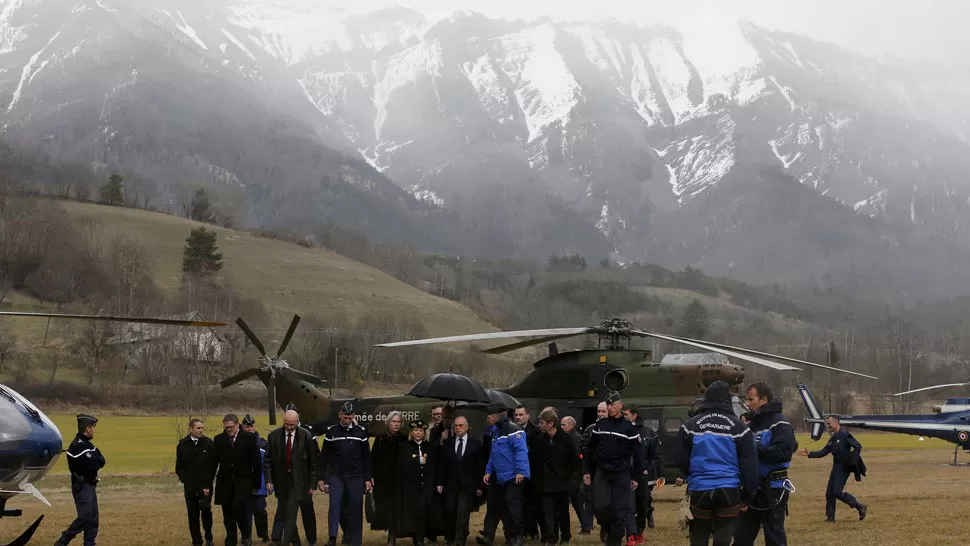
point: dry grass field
(287, 277)
(914, 497)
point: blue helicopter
(950, 421)
(30, 443)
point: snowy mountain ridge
(628, 127)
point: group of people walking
(425, 482)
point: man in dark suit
(290, 472)
(238, 477)
(193, 466)
(460, 480)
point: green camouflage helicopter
(572, 382)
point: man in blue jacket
(343, 471)
(840, 445)
(717, 453)
(506, 470)
(775, 441)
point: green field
(287, 277)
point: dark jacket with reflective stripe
(84, 460)
(614, 446)
(345, 453)
(774, 438)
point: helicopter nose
(48, 444)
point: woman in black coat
(415, 486)
(384, 472)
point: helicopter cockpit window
(672, 425)
(652, 423)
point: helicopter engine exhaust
(616, 379)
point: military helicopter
(30, 443)
(575, 382)
(287, 387)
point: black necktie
(460, 450)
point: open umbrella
(503, 398)
(450, 386)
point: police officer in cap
(775, 441)
(83, 460)
(614, 462)
(343, 472)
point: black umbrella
(503, 398)
(450, 386)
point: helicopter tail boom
(814, 415)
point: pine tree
(200, 257)
(200, 209)
(696, 322)
(113, 193)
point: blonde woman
(417, 465)
(383, 470)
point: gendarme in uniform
(84, 461)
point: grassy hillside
(287, 277)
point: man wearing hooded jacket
(717, 453)
(775, 441)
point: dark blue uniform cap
(347, 408)
(419, 424)
(248, 420)
(613, 397)
(84, 420)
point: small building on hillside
(159, 348)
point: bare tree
(8, 344)
(91, 345)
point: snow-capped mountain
(516, 138)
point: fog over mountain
(745, 151)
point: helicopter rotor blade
(749, 358)
(774, 356)
(564, 332)
(289, 336)
(144, 320)
(932, 388)
(239, 377)
(252, 337)
(522, 344)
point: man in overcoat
(290, 471)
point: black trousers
(531, 508)
(555, 517)
(86, 503)
(613, 503)
(235, 515)
(507, 499)
(456, 518)
(715, 513)
(257, 514)
(772, 519)
(199, 507)
(308, 515)
(835, 491)
(580, 497)
(643, 504)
